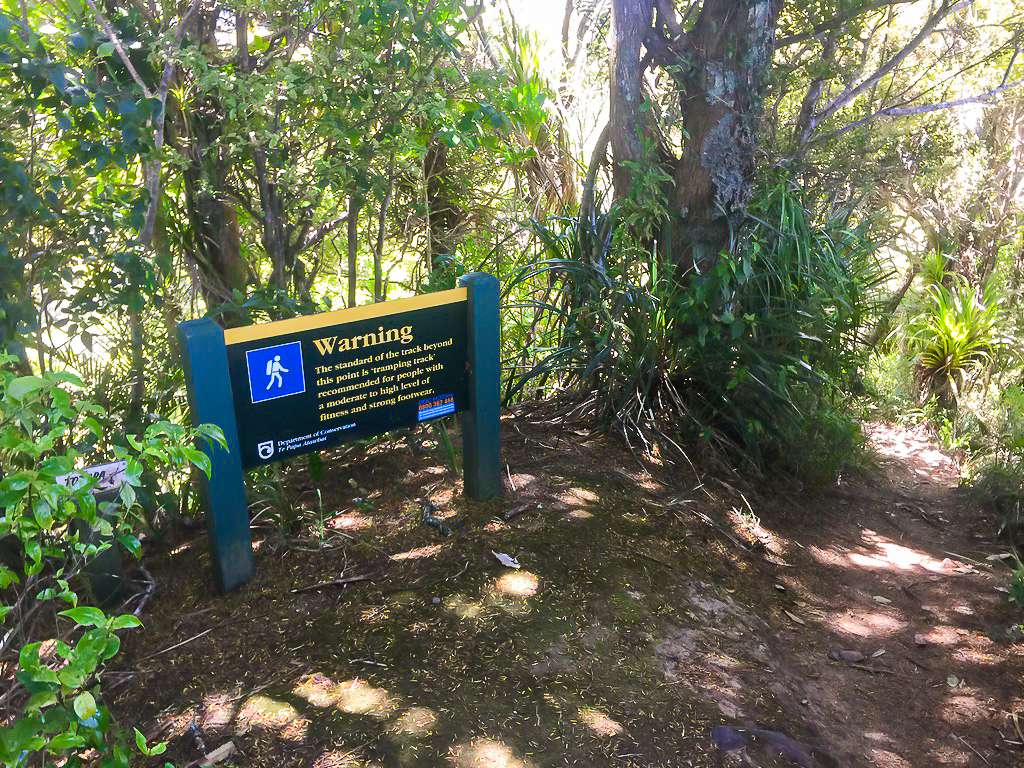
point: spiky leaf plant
(956, 335)
(744, 354)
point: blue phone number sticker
(433, 407)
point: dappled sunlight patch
(352, 522)
(521, 481)
(963, 709)
(487, 753)
(441, 498)
(722, 661)
(218, 711)
(748, 526)
(942, 635)
(975, 656)
(416, 721)
(867, 624)
(184, 547)
(339, 758)
(511, 593)
(48, 652)
(464, 607)
(578, 496)
(578, 515)
(176, 723)
(890, 555)
(517, 584)
(602, 725)
(904, 444)
(419, 553)
(375, 614)
(508, 593)
(883, 758)
(272, 714)
(356, 697)
(829, 555)
(947, 755)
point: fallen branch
(917, 663)
(147, 593)
(333, 583)
(515, 511)
(877, 670)
(183, 642)
(966, 744)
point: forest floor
(649, 608)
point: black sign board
(314, 382)
(283, 389)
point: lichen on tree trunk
(720, 66)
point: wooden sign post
(282, 389)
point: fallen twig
(333, 583)
(509, 514)
(877, 670)
(183, 642)
(652, 558)
(967, 744)
(147, 593)
(917, 663)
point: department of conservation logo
(265, 449)
(275, 371)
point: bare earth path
(890, 570)
(648, 610)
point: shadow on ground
(644, 613)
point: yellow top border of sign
(326, 319)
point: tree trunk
(216, 244)
(806, 122)
(353, 247)
(631, 20)
(442, 216)
(721, 67)
(731, 48)
(379, 289)
(886, 316)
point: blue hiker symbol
(274, 371)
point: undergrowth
(752, 358)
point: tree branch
(981, 98)
(155, 168)
(321, 232)
(112, 35)
(850, 94)
(836, 22)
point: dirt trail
(890, 569)
(648, 610)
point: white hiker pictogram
(274, 371)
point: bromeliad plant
(53, 644)
(957, 335)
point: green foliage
(957, 335)
(68, 134)
(888, 376)
(1016, 586)
(996, 468)
(747, 355)
(45, 433)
